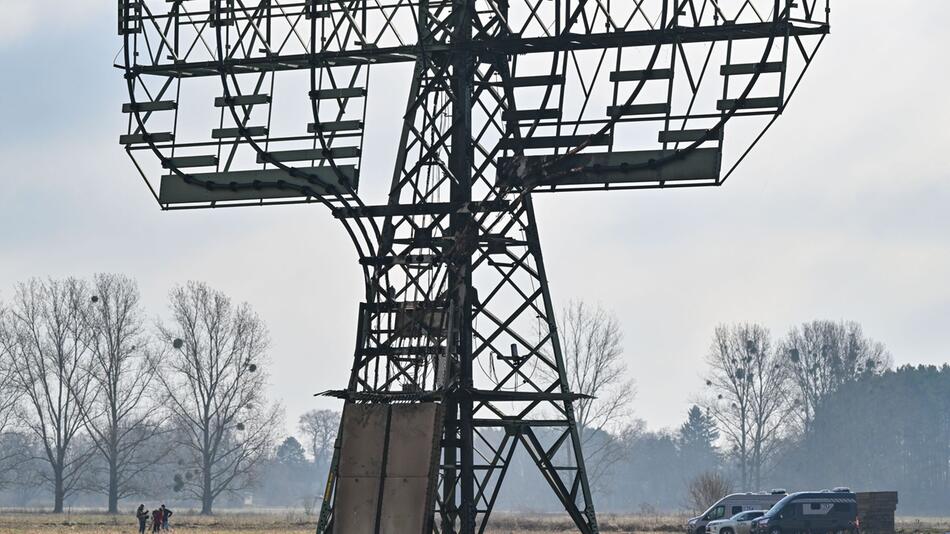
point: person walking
(156, 519)
(142, 515)
(166, 513)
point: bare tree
(9, 392)
(319, 427)
(593, 357)
(9, 397)
(705, 489)
(46, 334)
(118, 421)
(212, 376)
(824, 355)
(750, 397)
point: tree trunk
(744, 467)
(206, 505)
(113, 487)
(745, 473)
(58, 491)
(206, 496)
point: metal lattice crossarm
(508, 46)
(253, 102)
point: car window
(753, 515)
(778, 507)
(739, 517)
(791, 510)
(736, 510)
(718, 512)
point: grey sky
(841, 212)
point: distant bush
(705, 489)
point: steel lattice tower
(508, 98)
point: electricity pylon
(259, 102)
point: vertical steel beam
(465, 238)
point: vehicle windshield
(774, 510)
(746, 516)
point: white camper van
(731, 505)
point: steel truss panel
(254, 185)
(510, 46)
(701, 164)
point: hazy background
(841, 212)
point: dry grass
(506, 523)
(908, 524)
(94, 523)
(290, 522)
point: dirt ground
(291, 522)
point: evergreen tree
(699, 432)
(288, 478)
(696, 443)
(290, 453)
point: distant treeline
(883, 432)
(887, 431)
(101, 406)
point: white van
(731, 505)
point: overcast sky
(843, 212)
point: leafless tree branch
(45, 333)
(592, 344)
(749, 396)
(211, 370)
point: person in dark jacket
(142, 515)
(166, 513)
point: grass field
(295, 522)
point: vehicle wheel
(726, 531)
(701, 530)
(775, 530)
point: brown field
(293, 522)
